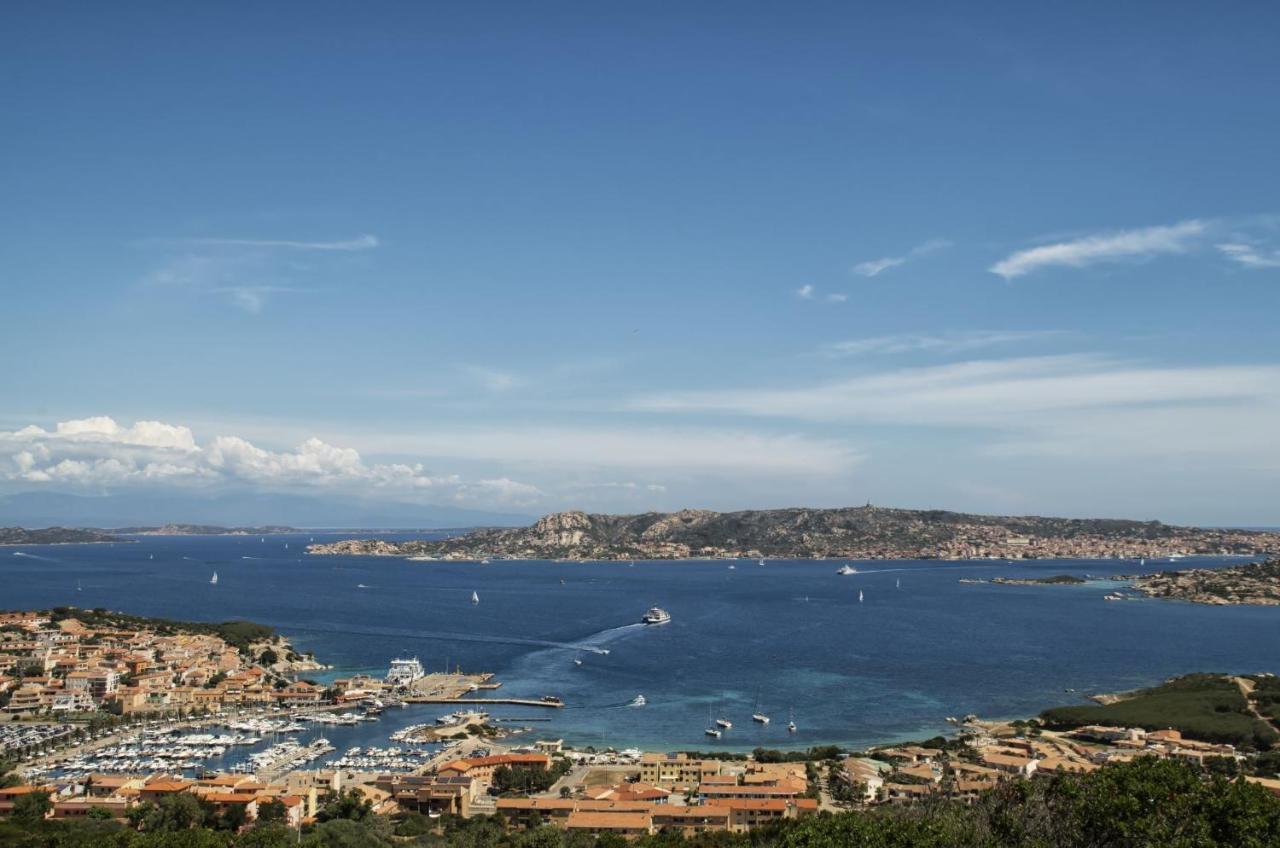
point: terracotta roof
(593, 821)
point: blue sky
(625, 257)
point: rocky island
(205, 530)
(1256, 584)
(867, 532)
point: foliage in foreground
(1144, 804)
(1203, 706)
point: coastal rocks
(562, 529)
(1255, 584)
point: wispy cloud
(492, 379)
(953, 342)
(1250, 256)
(875, 267)
(247, 272)
(805, 292)
(363, 242)
(809, 292)
(1105, 247)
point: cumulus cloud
(103, 453)
(1106, 247)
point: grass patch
(1208, 707)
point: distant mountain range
(866, 532)
(44, 509)
(52, 536)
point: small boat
(732, 567)
(638, 701)
(791, 722)
(485, 561)
(361, 586)
(724, 722)
(859, 596)
(214, 579)
(79, 588)
(846, 569)
(762, 562)
(475, 598)
(712, 731)
(897, 584)
(577, 661)
(759, 714)
(656, 615)
(151, 556)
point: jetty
(523, 702)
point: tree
(268, 657)
(271, 811)
(349, 804)
(30, 809)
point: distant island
(1055, 580)
(867, 532)
(1255, 584)
(205, 530)
(53, 536)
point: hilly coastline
(867, 532)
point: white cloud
(1089, 404)
(100, 452)
(875, 267)
(737, 453)
(805, 292)
(1107, 247)
(837, 298)
(363, 242)
(1250, 256)
(953, 342)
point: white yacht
(847, 569)
(724, 722)
(656, 615)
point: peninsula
(1256, 584)
(867, 532)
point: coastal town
(113, 717)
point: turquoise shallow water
(792, 634)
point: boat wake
(446, 637)
(26, 555)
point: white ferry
(405, 672)
(656, 615)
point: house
(481, 769)
(676, 769)
(624, 824)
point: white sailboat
(475, 598)
(711, 730)
(791, 722)
(214, 579)
(758, 715)
(859, 596)
(897, 584)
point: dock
(522, 702)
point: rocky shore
(1255, 584)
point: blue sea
(790, 637)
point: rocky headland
(1254, 584)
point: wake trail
(447, 636)
(26, 555)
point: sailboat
(79, 588)
(758, 715)
(897, 584)
(711, 730)
(151, 556)
(724, 722)
(762, 562)
(475, 598)
(791, 722)
(214, 579)
(859, 596)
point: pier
(523, 702)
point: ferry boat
(847, 569)
(405, 672)
(656, 615)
